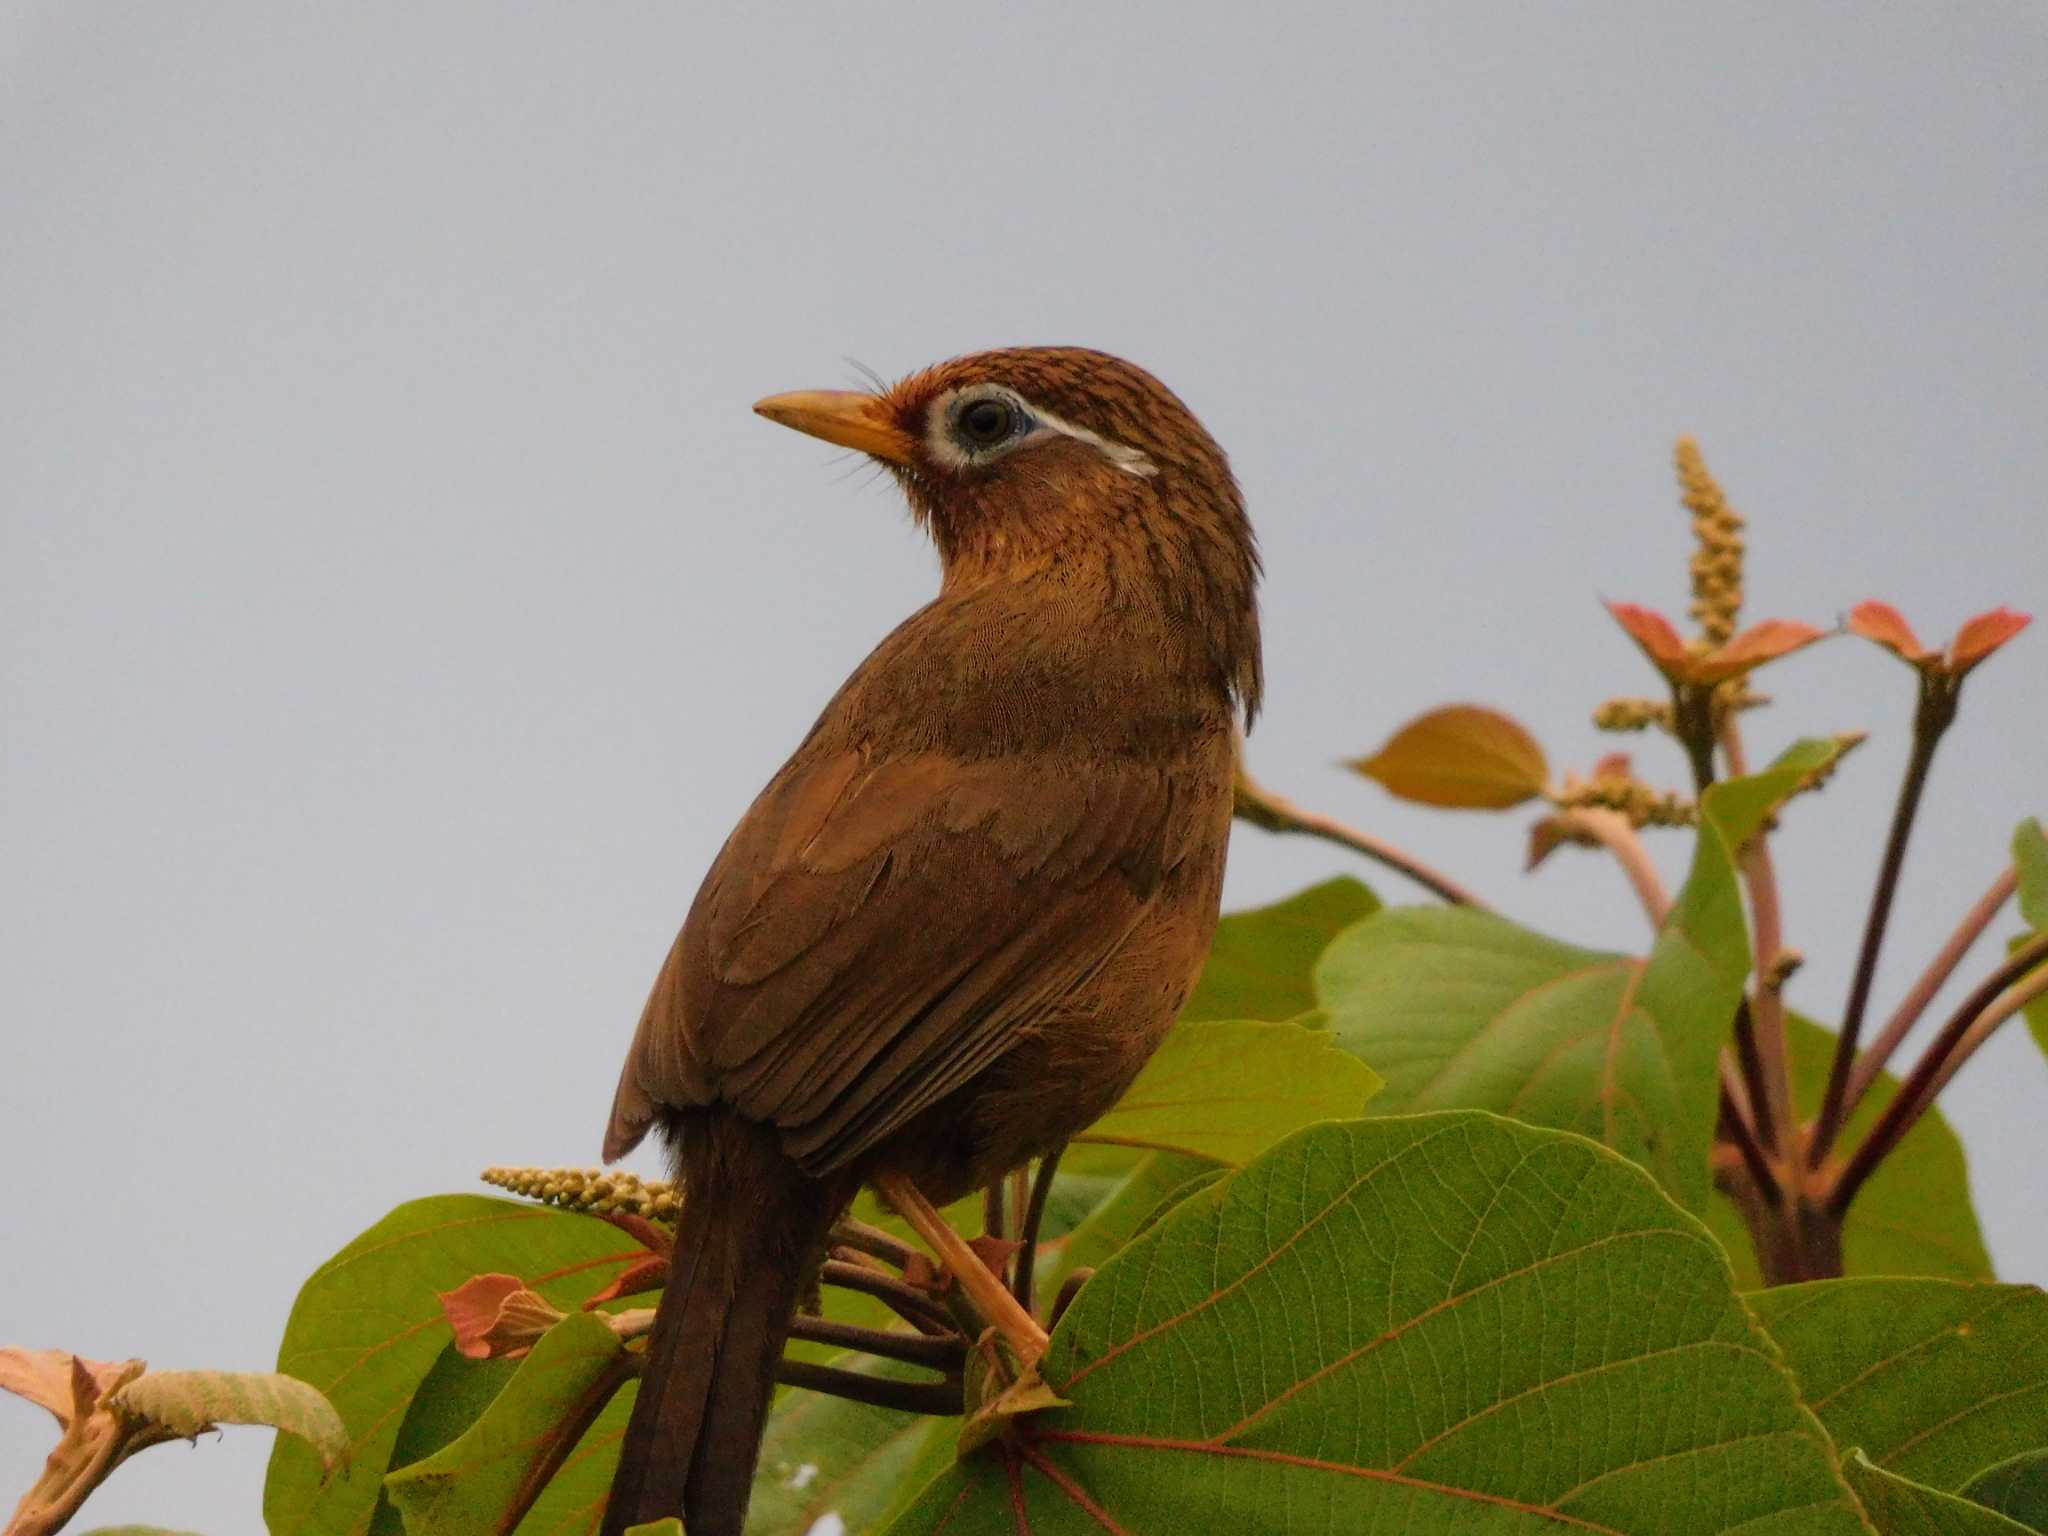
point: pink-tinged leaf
(650, 1274)
(68, 1386)
(495, 1317)
(1545, 838)
(1886, 626)
(1653, 632)
(1615, 765)
(1461, 756)
(1753, 647)
(1980, 636)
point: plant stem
(1735, 1121)
(1276, 813)
(1754, 1077)
(1931, 981)
(908, 1303)
(1767, 1007)
(940, 1398)
(1034, 1217)
(1936, 712)
(1991, 1001)
(1612, 831)
(942, 1353)
(862, 1238)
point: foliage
(1420, 1219)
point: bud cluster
(599, 1191)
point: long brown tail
(752, 1224)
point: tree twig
(940, 1398)
(1990, 997)
(1276, 813)
(940, 1353)
(1936, 712)
(1932, 980)
(908, 1303)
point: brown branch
(1276, 813)
(908, 1303)
(1755, 1078)
(863, 1238)
(943, 1353)
(1934, 1069)
(1735, 1121)
(941, 1398)
(1936, 712)
(1931, 981)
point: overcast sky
(398, 602)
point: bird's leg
(1027, 1233)
(1026, 1339)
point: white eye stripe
(947, 449)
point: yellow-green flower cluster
(1717, 563)
(596, 1190)
(1643, 805)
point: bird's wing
(875, 933)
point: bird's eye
(985, 423)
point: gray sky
(398, 602)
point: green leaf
(1738, 807)
(188, 1402)
(1898, 1507)
(450, 1397)
(367, 1328)
(2030, 858)
(1261, 963)
(1464, 1009)
(1914, 1217)
(1227, 1091)
(1934, 1379)
(1439, 1323)
(469, 1486)
(824, 1455)
(137, 1530)
(2017, 1489)
(669, 1527)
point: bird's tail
(751, 1227)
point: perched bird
(961, 917)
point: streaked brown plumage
(956, 923)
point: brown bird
(961, 917)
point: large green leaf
(1465, 1009)
(2030, 859)
(367, 1328)
(1445, 1322)
(1229, 1090)
(468, 1486)
(2017, 1489)
(1899, 1507)
(1914, 1217)
(1261, 963)
(827, 1456)
(1935, 1379)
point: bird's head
(1028, 459)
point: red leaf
(1885, 625)
(1753, 647)
(1980, 636)
(650, 1274)
(497, 1317)
(1653, 632)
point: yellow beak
(842, 416)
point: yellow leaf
(1464, 756)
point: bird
(959, 919)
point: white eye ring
(949, 442)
